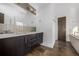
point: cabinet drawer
(34, 39)
(32, 36)
(31, 42)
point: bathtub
(75, 42)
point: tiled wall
(22, 29)
(16, 29)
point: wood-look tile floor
(60, 49)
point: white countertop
(76, 36)
(2, 36)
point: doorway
(62, 29)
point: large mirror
(13, 24)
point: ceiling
(56, 4)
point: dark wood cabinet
(39, 37)
(34, 39)
(19, 45)
(13, 46)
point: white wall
(47, 20)
(72, 21)
(46, 23)
(70, 11)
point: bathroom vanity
(74, 39)
(18, 44)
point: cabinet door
(27, 44)
(1, 48)
(20, 46)
(13, 46)
(39, 38)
